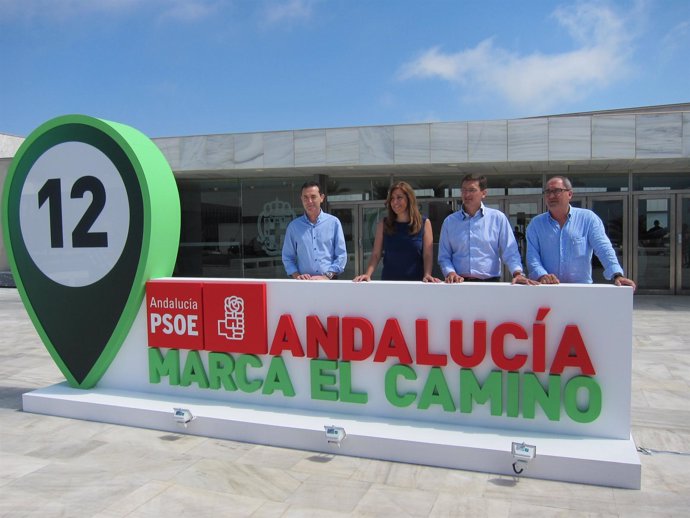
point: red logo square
(175, 314)
(235, 317)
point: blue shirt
(567, 252)
(474, 246)
(314, 248)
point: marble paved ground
(52, 466)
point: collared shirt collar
(567, 218)
(318, 218)
(465, 215)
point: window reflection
(593, 183)
(235, 228)
(661, 181)
(357, 189)
(653, 247)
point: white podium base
(606, 462)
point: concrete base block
(606, 462)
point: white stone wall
(511, 143)
(9, 145)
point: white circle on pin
(74, 214)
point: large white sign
(544, 358)
(471, 376)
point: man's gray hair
(566, 181)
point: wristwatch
(330, 275)
(615, 276)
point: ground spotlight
(522, 455)
(334, 434)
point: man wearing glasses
(560, 242)
(475, 239)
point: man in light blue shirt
(314, 245)
(475, 239)
(560, 242)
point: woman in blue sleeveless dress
(404, 238)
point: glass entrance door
(612, 210)
(369, 218)
(359, 226)
(520, 213)
(347, 214)
(654, 259)
(437, 211)
(682, 233)
(359, 222)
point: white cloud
(539, 81)
(189, 11)
(287, 11)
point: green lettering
(194, 371)
(168, 365)
(391, 385)
(471, 390)
(277, 378)
(241, 365)
(593, 409)
(321, 379)
(346, 393)
(220, 367)
(513, 394)
(436, 392)
(533, 392)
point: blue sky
(188, 67)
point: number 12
(81, 237)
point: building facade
(631, 166)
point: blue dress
(403, 259)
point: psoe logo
(232, 326)
(207, 315)
(235, 317)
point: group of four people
(474, 243)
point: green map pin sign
(90, 212)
